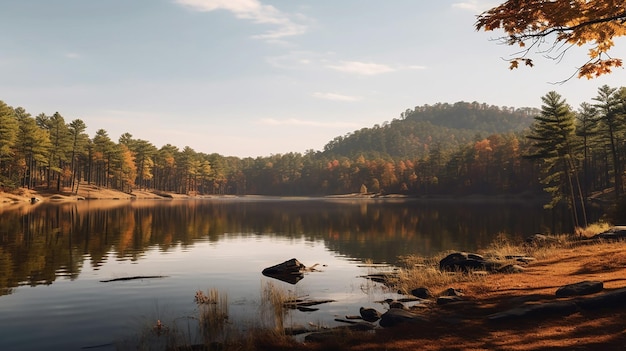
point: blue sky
(260, 77)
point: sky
(251, 78)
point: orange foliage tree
(561, 24)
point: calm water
(53, 258)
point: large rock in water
(290, 271)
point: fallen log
(133, 278)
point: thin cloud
(313, 60)
(255, 11)
(336, 97)
(296, 60)
(72, 55)
(475, 6)
(297, 122)
(362, 68)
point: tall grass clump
(212, 315)
(274, 306)
(593, 229)
(420, 271)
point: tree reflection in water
(47, 241)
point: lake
(54, 258)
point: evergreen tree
(8, 138)
(553, 136)
(611, 113)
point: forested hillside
(416, 131)
(443, 149)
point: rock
(608, 300)
(369, 314)
(579, 289)
(611, 299)
(395, 316)
(422, 293)
(444, 300)
(290, 271)
(452, 292)
(511, 268)
(559, 308)
(614, 233)
(397, 304)
(520, 258)
(465, 262)
(540, 239)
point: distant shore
(25, 196)
(85, 192)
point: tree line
(567, 152)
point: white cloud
(475, 6)
(297, 122)
(362, 68)
(336, 97)
(254, 11)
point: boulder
(466, 262)
(542, 310)
(422, 293)
(579, 289)
(540, 239)
(614, 233)
(369, 314)
(395, 316)
(290, 271)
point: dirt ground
(465, 325)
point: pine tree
(553, 139)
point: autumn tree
(553, 27)
(79, 140)
(164, 170)
(8, 138)
(104, 149)
(31, 147)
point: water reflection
(39, 244)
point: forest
(442, 149)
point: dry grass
(273, 307)
(213, 315)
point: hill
(443, 126)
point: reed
(213, 315)
(274, 306)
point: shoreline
(23, 196)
